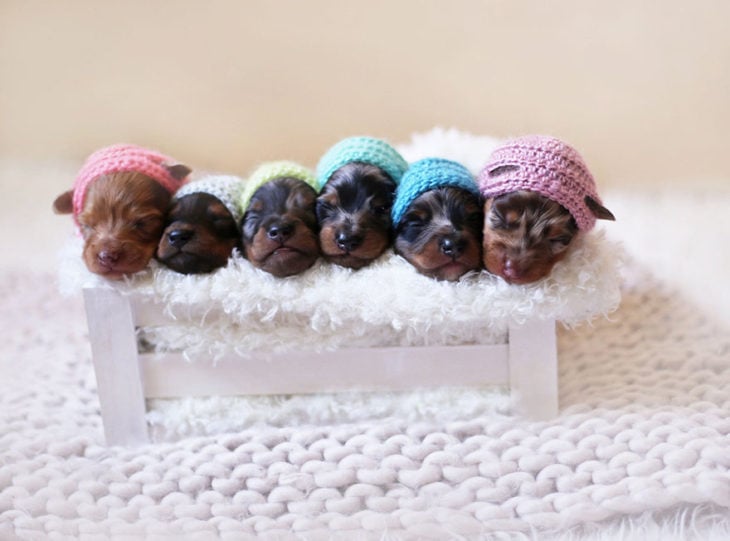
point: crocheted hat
(545, 165)
(361, 149)
(273, 170)
(428, 174)
(119, 158)
(226, 188)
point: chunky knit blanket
(643, 438)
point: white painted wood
(116, 364)
(533, 369)
(364, 369)
(528, 363)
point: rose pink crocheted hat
(118, 158)
(545, 165)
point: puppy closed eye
(324, 209)
(379, 208)
(558, 244)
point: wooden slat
(398, 368)
(533, 369)
(116, 364)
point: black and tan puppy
(201, 227)
(358, 177)
(438, 219)
(118, 202)
(539, 197)
(279, 227)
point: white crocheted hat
(226, 188)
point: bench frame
(126, 377)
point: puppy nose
(348, 243)
(452, 247)
(280, 232)
(178, 237)
(108, 257)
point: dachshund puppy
(118, 203)
(438, 219)
(358, 177)
(201, 228)
(540, 196)
(279, 227)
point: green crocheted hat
(426, 175)
(272, 170)
(365, 150)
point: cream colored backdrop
(641, 88)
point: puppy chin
(286, 261)
(349, 261)
(518, 275)
(128, 263)
(192, 263)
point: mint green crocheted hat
(365, 150)
(272, 170)
(226, 188)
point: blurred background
(642, 89)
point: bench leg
(116, 363)
(533, 368)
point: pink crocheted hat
(118, 158)
(545, 165)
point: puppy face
(353, 211)
(441, 233)
(280, 227)
(525, 234)
(200, 234)
(121, 222)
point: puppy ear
(598, 210)
(178, 171)
(64, 203)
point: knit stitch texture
(426, 175)
(544, 165)
(272, 170)
(119, 158)
(226, 188)
(363, 150)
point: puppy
(201, 227)
(358, 176)
(438, 219)
(540, 197)
(279, 227)
(118, 202)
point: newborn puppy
(279, 227)
(118, 203)
(540, 196)
(201, 228)
(358, 177)
(438, 219)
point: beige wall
(642, 88)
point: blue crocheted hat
(428, 174)
(365, 150)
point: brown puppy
(201, 227)
(118, 203)
(353, 211)
(199, 236)
(525, 234)
(539, 195)
(121, 222)
(440, 233)
(279, 227)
